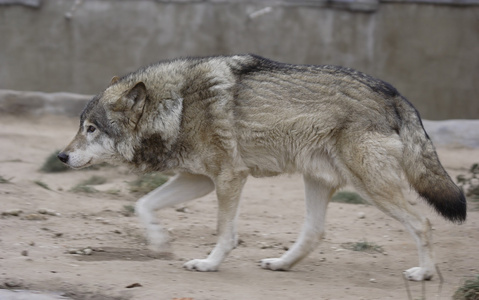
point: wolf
(217, 120)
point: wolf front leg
(181, 188)
(228, 189)
(317, 196)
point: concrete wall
(429, 52)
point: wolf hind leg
(374, 169)
(181, 188)
(418, 226)
(317, 197)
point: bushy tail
(423, 169)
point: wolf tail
(423, 169)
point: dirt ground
(35, 248)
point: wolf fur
(216, 120)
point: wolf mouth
(82, 166)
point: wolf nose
(63, 157)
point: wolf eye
(90, 129)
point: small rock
(31, 243)
(372, 280)
(24, 253)
(103, 220)
(183, 209)
(133, 285)
(12, 212)
(34, 217)
(81, 251)
(361, 215)
(13, 282)
(46, 211)
(87, 251)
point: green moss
(348, 197)
(148, 182)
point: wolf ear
(114, 80)
(132, 99)
(132, 102)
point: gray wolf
(216, 120)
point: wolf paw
(275, 264)
(201, 265)
(418, 274)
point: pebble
(24, 253)
(372, 280)
(361, 215)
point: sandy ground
(34, 247)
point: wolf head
(102, 123)
(114, 124)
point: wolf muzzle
(63, 157)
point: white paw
(201, 265)
(418, 274)
(275, 264)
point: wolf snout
(63, 157)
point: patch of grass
(364, 246)
(83, 189)
(5, 180)
(469, 183)
(468, 291)
(42, 184)
(128, 210)
(53, 165)
(94, 180)
(113, 192)
(348, 197)
(148, 182)
(86, 185)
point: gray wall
(429, 52)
